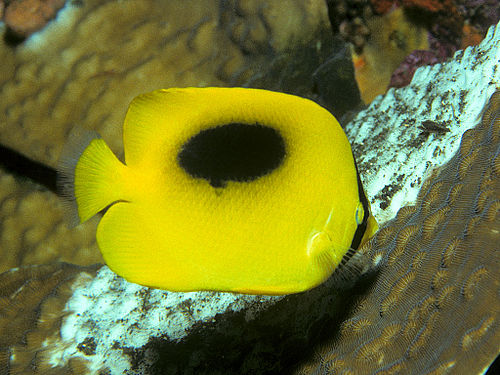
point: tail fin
(89, 175)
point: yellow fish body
(226, 189)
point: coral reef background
(83, 68)
(391, 38)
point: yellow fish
(226, 189)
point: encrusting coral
(447, 25)
(395, 37)
(435, 304)
(33, 228)
(393, 150)
(32, 301)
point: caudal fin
(89, 175)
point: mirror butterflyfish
(224, 189)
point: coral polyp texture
(68, 319)
(435, 303)
(33, 228)
(32, 301)
(394, 151)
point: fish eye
(232, 152)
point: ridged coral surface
(32, 301)
(434, 307)
(34, 230)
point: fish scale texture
(436, 299)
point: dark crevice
(12, 39)
(23, 167)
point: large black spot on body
(232, 152)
